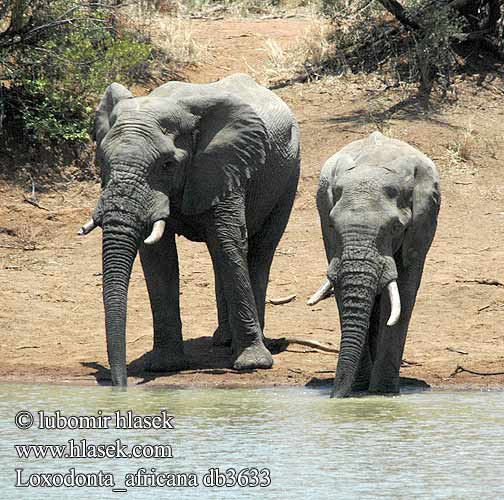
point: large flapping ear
(426, 200)
(231, 144)
(334, 167)
(114, 93)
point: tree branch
(397, 10)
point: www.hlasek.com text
(84, 449)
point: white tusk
(87, 227)
(395, 303)
(157, 232)
(320, 294)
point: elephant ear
(114, 93)
(333, 168)
(426, 200)
(231, 145)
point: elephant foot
(222, 337)
(253, 357)
(385, 387)
(360, 386)
(165, 360)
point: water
(428, 445)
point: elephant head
(378, 212)
(164, 154)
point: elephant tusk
(320, 294)
(157, 232)
(87, 228)
(395, 303)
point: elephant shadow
(406, 384)
(201, 354)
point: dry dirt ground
(51, 314)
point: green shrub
(50, 81)
(420, 47)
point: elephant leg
(227, 242)
(262, 248)
(391, 339)
(222, 335)
(161, 271)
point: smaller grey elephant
(378, 201)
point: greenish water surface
(424, 445)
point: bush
(421, 41)
(56, 58)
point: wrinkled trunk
(357, 285)
(358, 276)
(119, 252)
(127, 209)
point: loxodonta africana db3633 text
(217, 163)
(378, 201)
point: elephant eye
(392, 191)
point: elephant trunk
(358, 276)
(357, 284)
(119, 252)
(128, 209)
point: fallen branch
(483, 281)
(294, 370)
(32, 200)
(461, 369)
(35, 203)
(6, 245)
(282, 300)
(280, 345)
(458, 351)
(405, 362)
(137, 339)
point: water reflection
(420, 445)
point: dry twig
(483, 281)
(461, 369)
(279, 345)
(458, 351)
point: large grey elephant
(217, 163)
(378, 201)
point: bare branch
(397, 10)
(461, 369)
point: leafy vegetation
(424, 41)
(56, 58)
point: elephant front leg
(160, 266)
(222, 335)
(227, 241)
(392, 339)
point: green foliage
(366, 37)
(51, 81)
(431, 54)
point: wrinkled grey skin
(220, 164)
(378, 201)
